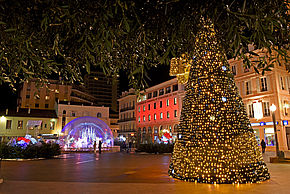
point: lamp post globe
(273, 108)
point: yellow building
(259, 92)
(21, 122)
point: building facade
(46, 96)
(127, 116)
(158, 112)
(21, 122)
(104, 89)
(259, 92)
(69, 112)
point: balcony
(127, 131)
(127, 119)
(127, 108)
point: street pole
(276, 136)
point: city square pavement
(119, 173)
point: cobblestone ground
(119, 173)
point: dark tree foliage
(67, 38)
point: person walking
(95, 146)
(263, 145)
(100, 146)
(130, 146)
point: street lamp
(273, 109)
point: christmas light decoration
(215, 143)
(180, 68)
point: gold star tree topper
(180, 68)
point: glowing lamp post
(273, 109)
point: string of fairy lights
(215, 142)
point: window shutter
(243, 91)
(286, 83)
(280, 84)
(258, 85)
(268, 83)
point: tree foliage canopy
(63, 38)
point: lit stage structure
(82, 132)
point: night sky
(157, 76)
(8, 98)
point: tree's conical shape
(215, 143)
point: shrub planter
(35, 151)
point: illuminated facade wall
(259, 92)
(158, 110)
(127, 116)
(23, 122)
(45, 97)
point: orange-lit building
(46, 96)
(259, 92)
(158, 111)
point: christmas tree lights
(215, 142)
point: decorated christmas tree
(215, 142)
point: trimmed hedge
(155, 148)
(43, 150)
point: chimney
(17, 109)
(29, 111)
(6, 111)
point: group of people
(100, 147)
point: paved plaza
(119, 173)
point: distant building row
(158, 109)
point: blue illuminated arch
(82, 132)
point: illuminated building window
(269, 136)
(168, 114)
(148, 106)
(8, 124)
(144, 118)
(175, 113)
(266, 109)
(167, 102)
(160, 104)
(143, 107)
(248, 87)
(139, 109)
(286, 106)
(46, 97)
(161, 92)
(234, 71)
(161, 115)
(139, 119)
(52, 125)
(154, 94)
(149, 117)
(251, 110)
(175, 101)
(154, 105)
(20, 124)
(155, 117)
(264, 84)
